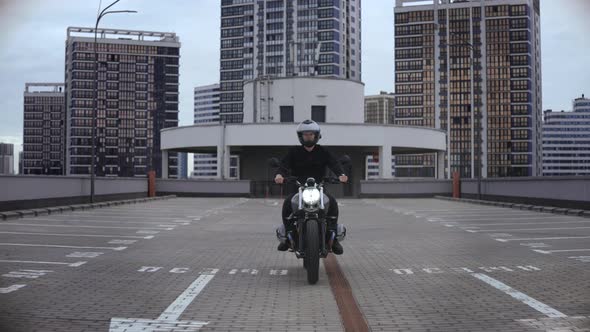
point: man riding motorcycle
(309, 160)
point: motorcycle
(311, 239)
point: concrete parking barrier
(538, 208)
(10, 215)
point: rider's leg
(286, 212)
(332, 215)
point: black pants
(332, 211)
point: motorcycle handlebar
(326, 179)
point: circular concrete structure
(256, 142)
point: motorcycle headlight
(311, 196)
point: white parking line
(544, 238)
(83, 226)
(507, 218)
(60, 246)
(76, 264)
(539, 306)
(560, 250)
(11, 288)
(525, 229)
(123, 217)
(100, 221)
(86, 235)
(524, 223)
(168, 320)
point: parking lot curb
(16, 214)
(548, 209)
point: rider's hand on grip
(279, 179)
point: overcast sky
(33, 33)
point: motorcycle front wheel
(312, 251)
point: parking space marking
(525, 229)
(60, 246)
(279, 272)
(29, 274)
(103, 221)
(147, 232)
(542, 238)
(437, 270)
(168, 320)
(535, 245)
(85, 235)
(82, 226)
(492, 218)
(76, 264)
(525, 223)
(560, 250)
(122, 242)
(531, 302)
(91, 254)
(11, 288)
(583, 259)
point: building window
(318, 113)
(287, 114)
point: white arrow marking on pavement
(76, 264)
(539, 306)
(59, 246)
(87, 235)
(168, 320)
(10, 288)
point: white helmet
(309, 125)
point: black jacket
(303, 164)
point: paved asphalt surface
(210, 264)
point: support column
(385, 162)
(164, 164)
(220, 161)
(440, 164)
(226, 156)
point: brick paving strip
(350, 313)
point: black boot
(285, 245)
(337, 248)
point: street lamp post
(479, 117)
(469, 45)
(103, 13)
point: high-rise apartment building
(6, 158)
(137, 97)
(380, 108)
(278, 38)
(566, 140)
(44, 129)
(435, 79)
